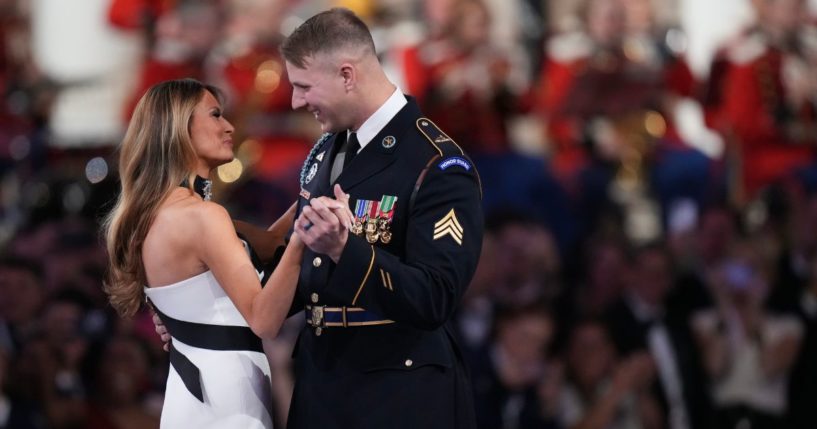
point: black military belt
(321, 316)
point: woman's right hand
(295, 240)
(340, 207)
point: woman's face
(211, 134)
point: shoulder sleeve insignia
(436, 137)
(313, 155)
(455, 161)
(449, 225)
(447, 149)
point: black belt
(321, 316)
(204, 336)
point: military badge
(373, 219)
(385, 217)
(449, 225)
(305, 194)
(313, 155)
(455, 161)
(388, 141)
(360, 213)
(312, 172)
(371, 230)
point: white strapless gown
(235, 383)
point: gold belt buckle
(318, 322)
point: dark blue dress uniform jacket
(409, 373)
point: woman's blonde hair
(156, 155)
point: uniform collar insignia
(389, 142)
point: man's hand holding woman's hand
(162, 331)
(324, 224)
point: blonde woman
(168, 243)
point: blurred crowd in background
(650, 255)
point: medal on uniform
(385, 217)
(373, 219)
(373, 207)
(360, 213)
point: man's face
(785, 15)
(319, 88)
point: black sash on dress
(204, 336)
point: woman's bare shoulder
(190, 214)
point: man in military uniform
(377, 350)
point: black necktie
(352, 147)
(344, 156)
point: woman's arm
(220, 250)
(265, 242)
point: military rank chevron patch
(449, 225)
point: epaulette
(312, 154)
(450, 153)
(440, 140)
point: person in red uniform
(180, 35)
(249, 65)
(608, 93)
(464, 87)
(570, 57)
(768, 96)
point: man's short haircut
(328, 31)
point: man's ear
(349, 74)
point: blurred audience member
(796, 246)
(803, 384)
(179, 39)
(747, 351)
(643, 322)
(21, 298)
(467, 92)
(48, 368)
(601, 392)
(603, 276)
(117, 377)
(520, 265)
(507, 377)
(475, 316)
(14, 413)
(528, 261)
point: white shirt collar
(380, 118)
